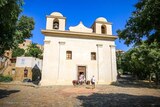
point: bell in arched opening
(56, 24)
(103, 29)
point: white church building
(69, 53)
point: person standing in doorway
(81, 79)
(93, 80)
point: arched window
(68, 55)
(56, 24)
(103, 29)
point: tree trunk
(150, 77)
(157, 79)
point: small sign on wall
(23, 61)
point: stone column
(61, 43)
(98, 61)
(45, 80)
(113, 63)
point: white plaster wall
(50, 63)
(109, 29)
(98, 28)
(62, 24)
(24, 62)
(59, 71)
(49, 23)
(28, 62)
(113, 62)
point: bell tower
(101, 26)
(56, 21)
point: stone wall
(18, 73)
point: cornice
(59, 33)
(108, 23)
(59, 17)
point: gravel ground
(19, 95)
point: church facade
(79, 50)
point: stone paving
(18, 95)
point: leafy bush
(17, 52)
(120, 71)
(5, 78)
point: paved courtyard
(21, 95)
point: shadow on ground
(6, 93)
(128, 81)
(118, 100)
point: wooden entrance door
(81, 70)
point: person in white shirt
(93, 80)
(81, 79)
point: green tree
(23, 29)
(13, 30)
(134, 63)
(119, 56)
(34, 51)
(143, 61)
(17, 52)
(144, 22)
(9, 12)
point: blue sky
(115, 11)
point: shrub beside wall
(5, 78)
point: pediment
(80, 28)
